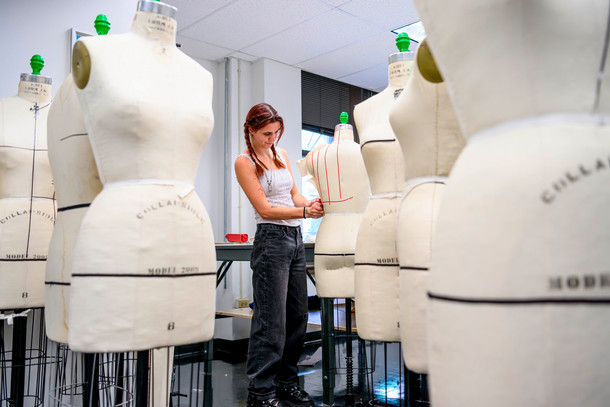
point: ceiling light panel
(388, 14)
(191, 11)
(328, 32)
(347, 60)
(245, 22)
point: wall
(44, 27)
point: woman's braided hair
(258, 117)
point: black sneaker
(270, 402)
(294, 396)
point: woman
(279, 281)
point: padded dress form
(519, 288)
(339, 175)
(144, 262)
(425, 124)
(76, 184)
(376, 260)
(27, 207)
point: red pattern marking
(326, 171)
(342, 200)
(338, 171)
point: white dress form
(519, 290)
(77, 183)
(425, 124)
(376, 260)
(27, 207)
(144, 262)
(339, 175)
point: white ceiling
(346, 40)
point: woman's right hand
(315, 211)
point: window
(311, 138)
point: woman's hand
(314, 209)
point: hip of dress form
(27, 207)
(519, 290)
(339, 175)
(76, 184)
(416, 225)
(376, 264)
(158, 285)
(144, 261)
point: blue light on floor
(392, 390)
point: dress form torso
(145, 251)
(339, 175)
(27, 207)
(376, 260)
(425, 124)
(525, 211)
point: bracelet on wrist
(304, 217)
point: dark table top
(241, 251)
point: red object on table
(237, 237)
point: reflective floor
(377, 378)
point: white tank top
(276, 185)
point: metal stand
(328, 352)
(23, 358)
(349, 362)
(18, 361)
(142, 375)
(91, 383)
(416, 389)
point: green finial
(102, 25)
(343, 117)
(402, 42)
(37, 63)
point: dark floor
(377, 379)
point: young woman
(279, 281)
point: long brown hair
(258, 117)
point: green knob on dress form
(102, 25)
(37, 63)
(343, 117)
(402, 42)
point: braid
(257, 162)
(276, 158)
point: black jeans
(279, 321)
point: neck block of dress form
(426, 126)
(339, 175)
(157, 26)
(515, 64)
(77, 183)
(158, 7)
(35, 88)
(27, 208)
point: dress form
(27, 206)
(76, 182)
(425, 124)
(144, 261)
(376, 260)
(518, 310)
(340, 177)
